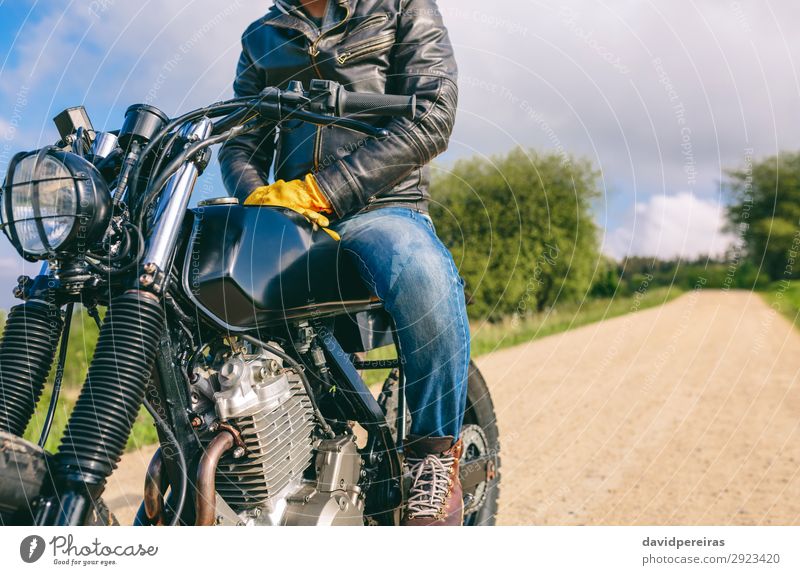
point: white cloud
(675, 226)
(588, 69)
(582, 72)
(175, 55)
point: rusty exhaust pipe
(155, 487)
(206, 493)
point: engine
(268, 478)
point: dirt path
(684, 414)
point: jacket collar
(287, 14)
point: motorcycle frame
(168, 394)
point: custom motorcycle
(242, 330)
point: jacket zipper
(365, 48)
(370, 22)
(312, 49)
(313, 52)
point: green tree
(607, 279)
(766, 211)
(520, 229)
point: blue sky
(662, 97)
(11, 24)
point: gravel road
(684, 414)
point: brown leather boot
(435, 496)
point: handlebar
(359, 103)
(328, 98)
(326, 103)
(161, 146)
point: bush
(520, 229)
(765, 212)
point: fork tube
(174, 202)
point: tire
(101, 516)
(24, 471)
(388, 402)
(479, 432)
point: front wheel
(24, 474)
(480, 462)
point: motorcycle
(242, 330)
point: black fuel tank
(252, 266)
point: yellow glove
(301, 196)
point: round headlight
(54, 203)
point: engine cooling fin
(279, 449)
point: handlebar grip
(364, 104)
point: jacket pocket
(365, 48)
(369, 22)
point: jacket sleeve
(245, 160)
(423, 64)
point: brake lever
(339, 122)
(273, 105)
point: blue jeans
(400, 257)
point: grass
(489, 337)
(144, 432)
(784, 296)
(486, 337)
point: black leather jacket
(379, 46)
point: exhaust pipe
(206, 492)
(155, 486)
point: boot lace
(430, 485)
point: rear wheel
(480, 462)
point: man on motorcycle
(373, 194)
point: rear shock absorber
(26, 355)
(109, 402)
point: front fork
(113, 392)
(27, 350)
